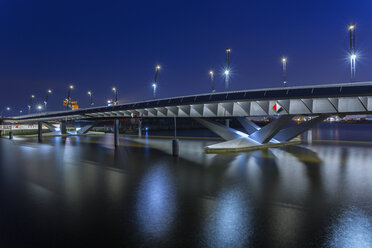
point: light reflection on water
(353, 228)
(156, 203)
(139, 196)
(229, 223)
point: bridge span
(319, 101)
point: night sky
(96, 45)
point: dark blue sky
(99, 44)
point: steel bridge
(318, 101)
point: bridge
(317, 101)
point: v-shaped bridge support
(271, 135)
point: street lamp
(47, 98)
(90, 98)
(227, 69)
(211, 73)
(284, 62)
(71, 87)
(116, 95)
(39, 107)
(352, 51)
(155, 84)
(29, 106)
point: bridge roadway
(347, 98)
(314, 100)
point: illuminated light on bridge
(155, 84)
(352, 52)
(284, 62)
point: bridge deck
(269, 94)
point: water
(80, 191)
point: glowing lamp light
(49, 91)
(353, 57)
(154, 85)
(211, 72)
(39, 107)
(227, 72)
(71, 86)
(7, 108)
(89, 93)
(32, 96)
(114, 89)
(351, 26)
(284, 60)
(157, 67)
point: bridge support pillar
(116, 132)
(85, 127)
(40, 131)
(63, 127)
(271, 135)
(139, 128)
(175, 147)
(50, 127)
(309, 136)
(227, 122)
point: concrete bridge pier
(40, 131)
(63, 127)
(139, 128)
(175, 147)
(271, 135)
(227, 122)
(116, 132)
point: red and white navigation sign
(277, 108)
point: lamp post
(71, 87)
(90, 98)
(115, 95)
(352, 51)
(155, 84)
(47, 98)
(227, 69)
(284, 62)
(211, 73)
(29, 106)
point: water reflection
(156, 203)
(353, 228)
(229, 223)
(138, 195)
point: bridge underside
(272, 135)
